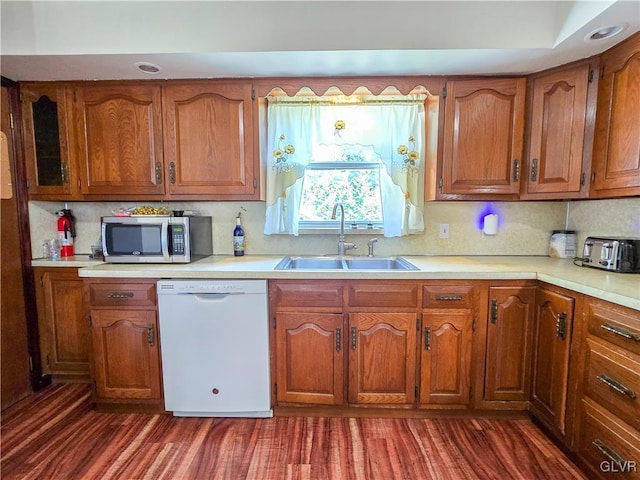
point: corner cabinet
(62, 324)
(616, 151)
(483, 138)
(559, 147)
(209, 144)
(120, 139)
(51, 167)
(125, 344)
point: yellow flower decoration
(409, 156)
(281, 156)
(339, 125)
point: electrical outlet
(444, 230)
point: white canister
(563, 244)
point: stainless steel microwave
(156, 239)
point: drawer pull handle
(623, 332)
(608, 452)
(121, 295)
(617, 386)
(448, 297)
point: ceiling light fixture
(148, 68)
(605, 32)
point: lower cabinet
(62, 323)
(125, 343)
(552, 345)
(509, 344)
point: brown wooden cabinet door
(552, 340)
(120, 139)
(382, 358)
(616, 151)
(64, 331)
(446, 357)
(310, 358)
(558, 117)
(126, 354)
(209, 140)
(483, 135)
(509, 336)
(50, 165)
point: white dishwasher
(215, 347)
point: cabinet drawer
(608, 446)
(613, 380)
(383, 294)
(307, 294)
(121, 294)
(442, 296)
(620, 326)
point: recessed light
(606, 32)
(148, 68)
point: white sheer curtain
(395, 130)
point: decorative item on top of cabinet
(609, 416)
(551, 403)
(483, 136)
(51, 166)
(561, 132)
(448, 322)
(119, 134)
(509, 342)
(62, 323)
(209, 140)
(616, 150)
(126, 351)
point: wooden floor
(55, 434)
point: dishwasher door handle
(212, 297)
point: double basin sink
(344, 263)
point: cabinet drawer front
(620, 326)
(613, 380)
(456, 296)
(383, 294)
(122, 294)
(307, 294)
(609, 447)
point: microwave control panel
(177, 240)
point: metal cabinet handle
(494, 311)
(64, 170)
(354, 334)
(617, 386)
(534, 170)
(121, 295)
(427, 338)
(338, 339)
(623, 332)
(150, 335)
(561, 326)
(158, 172)
(172, 173)
(516, 170)
(448, 297)
(608, 452)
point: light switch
(444, 230)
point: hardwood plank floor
(55, 434)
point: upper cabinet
(483, 138)
(616, 151)
(209, 147)
(50, 165)
(120, 139)
(559, 146)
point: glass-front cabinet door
(49, 163)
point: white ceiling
(86, 40)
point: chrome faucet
(342, 245)
(370, 244)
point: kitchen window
(365, 152)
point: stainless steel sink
(345, 263)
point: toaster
(612, 254)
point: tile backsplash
(524, 227)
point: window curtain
(395, 131)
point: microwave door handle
(164, 240)
(105, 251)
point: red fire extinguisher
(66, 232)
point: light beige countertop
(78, 261)
(623, 289)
